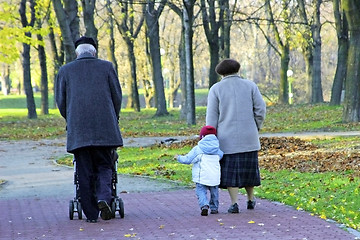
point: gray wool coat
(237, 110)
(88, 95)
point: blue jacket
(88, 95)
(205, 158)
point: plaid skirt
(240, 170)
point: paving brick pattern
(163, 215)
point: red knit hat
(206, 130)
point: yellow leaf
(251, 221)
(161, 226)
(127, 235)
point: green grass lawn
(329, 195)
(332, 195)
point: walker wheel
(113, 208)
(79, 208)
(71, 209)
(121, 206)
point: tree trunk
(69, 26)
(343, 47)
(88, 12)
(152, 23)
(352, 98)
(312, 50)
(129, 33)
(317, 93)
(214, 60)
(182, 65)
(182, 60)
(71, 10)
(44, 89)
(5, 80)
(58, 58)
(211, 28)
(284, 46)
(111, 45)
(30, 101)
(308, 59)
(284, 83)
(134, 93)
(188, 15)
(225, 30)
(149, 91)
(340, 74)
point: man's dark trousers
(94, 166)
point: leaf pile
(162, 170)
(269, 145)
(279, 153)
(283, 145)
(177, 144)
(314, 162)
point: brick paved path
(34, 205)
(163, 215)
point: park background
(296, 51)
(293, 50)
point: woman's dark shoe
(91, 220)
(214, 211)
(204, 210)
(251, 204)
(233, 208)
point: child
(205, 158)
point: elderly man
(88, 95)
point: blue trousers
(201, 193)
(94, 166)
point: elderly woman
(237, 110)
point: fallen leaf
(251, 221)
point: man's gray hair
(85, 48)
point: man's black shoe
(105, 211)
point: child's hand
(175, 157)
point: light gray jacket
(237, 110)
